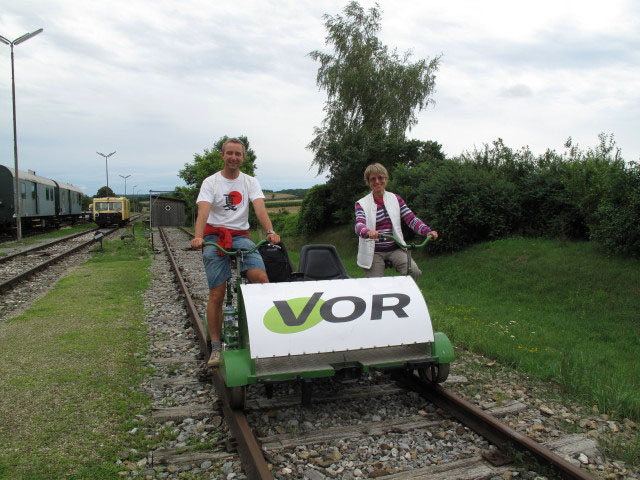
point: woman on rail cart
(380, 212)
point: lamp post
(17, 41)
(105, 164)
(134, 193)
(125, 183)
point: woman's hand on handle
(433, 234)
(373, 234)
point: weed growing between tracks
(71, 369)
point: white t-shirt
(229, 199)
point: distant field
(280, 209)
(278, 196)
(283, 203)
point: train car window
(33, 191)
(23, 191)
(116, 205)
(102, 206)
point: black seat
(321, 262)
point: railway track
(18, 267)
(6, 237)
(25, 275)
(397, 428)
(36, 248)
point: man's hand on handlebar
(373, 234)
(433, 234)
(273, 238)
(197, 242)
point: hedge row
(496, 192)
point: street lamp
(17, 41)
(134, 195)
(125, 183)
(105, 164)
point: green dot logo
(295, 315)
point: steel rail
(46, 245)
(248, 447)
(491, 428)
(26, 274)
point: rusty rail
(250, 451)
(26, 274)
(46, 245)
(495, 431)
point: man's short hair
(235, 140)
(375, 169)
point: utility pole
(106, 167)
(125, 183)
(17, 41)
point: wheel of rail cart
(307, 391)
(238, 397)
(268, 390)
(436, 373)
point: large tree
(104, 192)
(372, 92)
(373, 95)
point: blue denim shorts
(218, 268)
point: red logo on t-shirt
(232, 199)
(235, 197)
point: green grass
(62, 232)
(559, 311)
(71, 369)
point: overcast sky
(158, 81)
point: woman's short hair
(375, 169)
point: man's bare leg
(214, 322)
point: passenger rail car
(43, 201)
(111, 211)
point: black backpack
(276, 262)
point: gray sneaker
(214, 359)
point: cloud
(516, 91)
(159, 81)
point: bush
(316, 210)
(285, 223)
(547, 208)
(495, 192)
(616, 223)
(463, 203)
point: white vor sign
(334, 315)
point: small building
(167, 211)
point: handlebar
(411, 246)
(234, 252)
